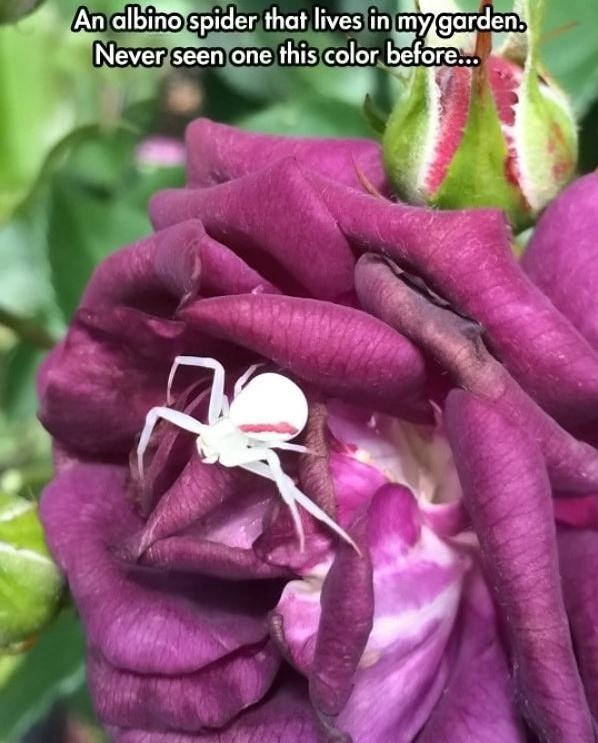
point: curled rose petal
(166, 269)
(314, 471)
(341, 350)
(95, 393)
(456, 345)
(347, 608)
(417, 585)
(578, 551)
(466, 256)
(286, 715)
(199, 489)
(217, 153)
(160, 271)
(507, 494)
(166, 625)
(251, 215)
(561, 256)
(211, 697)
(196, 555)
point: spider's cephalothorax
(266, 412)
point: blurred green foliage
(74, 187)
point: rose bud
(373, 556)
(30, 583)
(500, 134)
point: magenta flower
(443, 385)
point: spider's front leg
(245, 377)
(218, 400)
(182, 420)
(265, 462)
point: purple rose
(444, 385)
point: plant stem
(27, 330)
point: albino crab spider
(264, 414)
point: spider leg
(244, 378)
(321, 515)
(264, 470)
(225, 406)
(293, 492)
(182, 420)
(217, 392)
(290, 493)
(286, 446)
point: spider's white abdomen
(270, 408)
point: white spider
(265, 414)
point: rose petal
(478, 702)
(341, 350)
(199, 489)
(218, 153)
(315, 477)
(191, 554)
(210, 697)
(347, 602)
(161, 272)
(143, 621)
(561, 256)
(275, 221)
(578, 551)
(455, 344)
(507, 493)
(466, 256)
(94, 393)
(417, 585)
(581, 512)
(284, 716)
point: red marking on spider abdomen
(281, 427)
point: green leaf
(404, 143)
(53, 668)
(25, 286)
(36, 111)
(311, 115)
(374, 116)
(18, 394)
(82, 229)
(572, 57)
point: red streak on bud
(455, 95)
(281, 427)
(563, 164)
(505, 78)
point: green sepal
(407, 130)
(374, 115)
